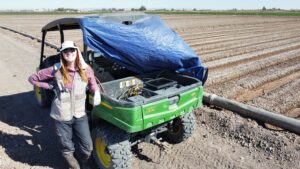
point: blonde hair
(65, 75)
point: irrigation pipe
(275, 119)
(31, 37)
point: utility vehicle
(143, 98)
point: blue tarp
(144, 46)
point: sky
(149, 4)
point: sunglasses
(69, 50)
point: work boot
(86, 161)
(71, 160)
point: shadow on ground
(30, 137)
(137, 152)
(39, 147)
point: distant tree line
(142, 8)
(66, 10)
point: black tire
(111, 144)
(181, 128)
(44, 97)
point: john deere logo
(149, 110)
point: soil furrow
(227, 26)
(282, 99)
(225, 62)
(274, 76)
(253, 82)
(250, 94)
(233, 88)
(218, 40)
(196, 38)
(242, 29)
(244, 69)
(228, 44)
(251, 44)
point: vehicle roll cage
(60, 25)
(73, 23)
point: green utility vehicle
(148, 107)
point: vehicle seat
(51, 60)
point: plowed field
(254, 60)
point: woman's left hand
(97, 98)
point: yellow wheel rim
(102, 153)
(38, 94)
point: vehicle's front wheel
(112, 148)
(181, 128)
(44, 97)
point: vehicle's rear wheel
(181, 128)
(112, 148)
(43, 96)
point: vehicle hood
(144, 46)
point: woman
(72, 76)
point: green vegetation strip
(232, 12)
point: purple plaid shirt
(48, 73)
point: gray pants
(80, 128)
